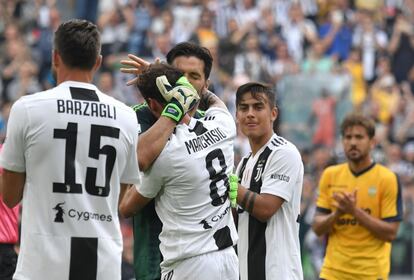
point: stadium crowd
(332, 56)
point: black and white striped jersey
(76, 146)
(190, 182)
(271, 250)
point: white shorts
(217, 265)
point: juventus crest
(259, 170)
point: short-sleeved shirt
(352, 250)
(9, 232)
(271, 250)
(189, 181)
(76, 145)
(147, 224)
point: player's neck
(358, 166)
(75, 75)
(256, 143)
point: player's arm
(260, 206)
(324, 220)
(132, 202)
(153, 141)
(274, 191)
(13, 185)
(381, 229)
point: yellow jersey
(352, 251)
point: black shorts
(8, 260)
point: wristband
(173, 111)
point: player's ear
(207, 84)
(154, 105)
(274, 113)
(55, 58)
(373, 142)
(98, 63)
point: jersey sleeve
(282, 174)
(131, 175)
(323, 202)
(13, 155)
(152, 179)
(224, 118)
(391, 200)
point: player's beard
(356, 155)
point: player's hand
(135, 65)
(234, 185)
(182, 98)
(346, 202)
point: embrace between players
(59, 160)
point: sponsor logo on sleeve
(281, 177)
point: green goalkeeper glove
(234, 185)
(182, 98)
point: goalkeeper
(189, 180)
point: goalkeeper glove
(234, 185)
(182, 98)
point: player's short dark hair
(354, 119)
(256, 88)
(147, 80)
(190, 49)
(78, 43)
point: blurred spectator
(316, 61)
(230, 46)
(225, 12)
(269, 34)
(385, 92)
(397, 164)
(204, 34)
(106, 85)
(4, 118)
(298, 32)
(16, 53)
(86, 9)
(408, 150)
(162, 44)
(249, 10)
(251, 62)
(344, 6)
(114, 24)
(323, 118)
(371, 40)
(47, 27)
(355, 69)
(141, 13)
(401, 122)
(372, 5)
(401, 46)
(283, 65)
(186, 17)
(26, 81)
(336, 35)
(11, 34)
